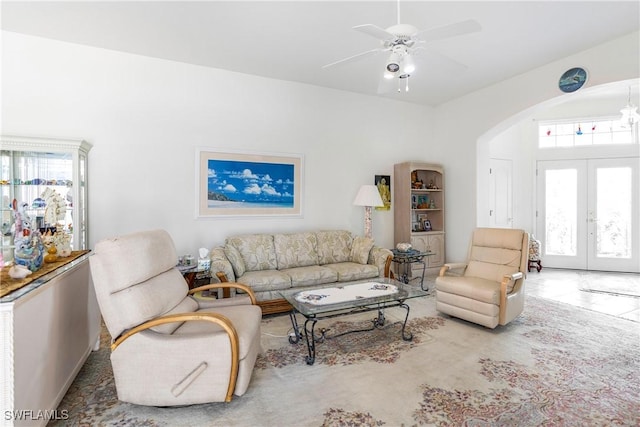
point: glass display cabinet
(30, 166)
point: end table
(404, 260)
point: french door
(588, 214)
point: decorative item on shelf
(432, 204)
(368, 196)
(18, 271)
(423, 202)
(432, 185)
(56, 209)
(52, 254)
(403, 247)
(426, 225)
(38, 203)
(62, 241)
(29, 250)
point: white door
(588, 214)
(501, 193)
(613, 217)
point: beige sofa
(271, 263)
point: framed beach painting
(237, 184)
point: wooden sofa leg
(226, 292)
(387, 268)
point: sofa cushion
(348, 271)
(360, 249)
(265, 280)
(334, 246)
(257, 251)
(311, 275)
(295, 250)
(235, 258)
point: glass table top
(396, 291)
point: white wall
(145, 118)
(465, 126)
(513, 144)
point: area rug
(555, 365)
(611, 283)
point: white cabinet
(47, 330)
(433, 242)
(419, 211)
(28, 166)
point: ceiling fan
(402, 42)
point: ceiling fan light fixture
(630, 114)
(393, 67)
(393, 64)
(408, 66)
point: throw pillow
(360, 249)
(235, 259)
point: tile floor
(569, 286)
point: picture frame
(236, 184)
(426, 225)
(383, 182)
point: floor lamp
(368, 196)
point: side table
(405, 259)
(196, 277)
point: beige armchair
(169, 348)
(489, 288)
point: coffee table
(346, 298)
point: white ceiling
(292, 40)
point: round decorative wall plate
(572, 80)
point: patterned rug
(619, 284)
(555, 365)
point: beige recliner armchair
(169, 348)
(489, 288)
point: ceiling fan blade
(376, 32)
(357, 57)
(430, 58)
(446, 31)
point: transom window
(588, 132)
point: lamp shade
(368, 195)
